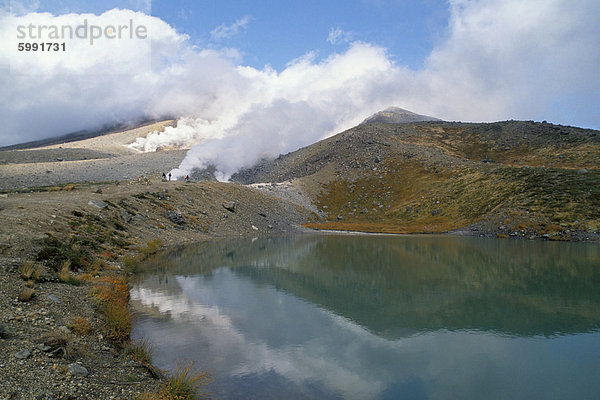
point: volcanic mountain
(517, 178)
(397, 115)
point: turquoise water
(379, 317)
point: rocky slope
(513, 178)
(397, 115)
(97, 226)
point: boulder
(77, 370)
(98, 203)
(229, 206)
(126, 216)
(175, 217)
(23, 354)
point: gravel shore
(99, 197)
(116, 168)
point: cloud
(227, 31)
(501, 59)
(337, 36)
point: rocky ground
(102, 203)
(120, 218)
(505, 179)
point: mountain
(513, 178)
(396, 115)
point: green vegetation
(56, 252)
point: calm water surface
(379, 317)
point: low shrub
(61, 344)
(113, 294)
(26, 295)
(66, 276)
(140, 351)
(80, 326)
(32, 271)
(152, 247)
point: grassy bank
(409, 197)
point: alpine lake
(377, 317)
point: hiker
(164, 177)
(169, 176)
(187, 178)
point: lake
(378, 317)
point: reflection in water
(379, 317)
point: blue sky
(276, 32)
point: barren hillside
(514, 178)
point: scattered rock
(340, 217)
(229, 206)
(175, 217)
(139, 218)
(254, 227)
(53, 298)
(98, 203)
(436, 212)
(23, 354)
(98, 191)
(77, 370)
(582, 171)
(3, 333)
(64, 329)
(126, 216)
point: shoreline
(104, 226)
(111, 223)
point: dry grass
(61, 344)
(65, 275)
(184, 384)
(26, 295)
(152, 247)
(32, 271)
(113, 295)
(132, 263)
(80, 326)
(140, 351)
(413, 197)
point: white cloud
(337, 36)
(502, 59)
(226, 31)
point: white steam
(501, 59)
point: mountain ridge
(397, 115)
(510, 178)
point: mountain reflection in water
(379, 316)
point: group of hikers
(186, 178)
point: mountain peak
(397, 115)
